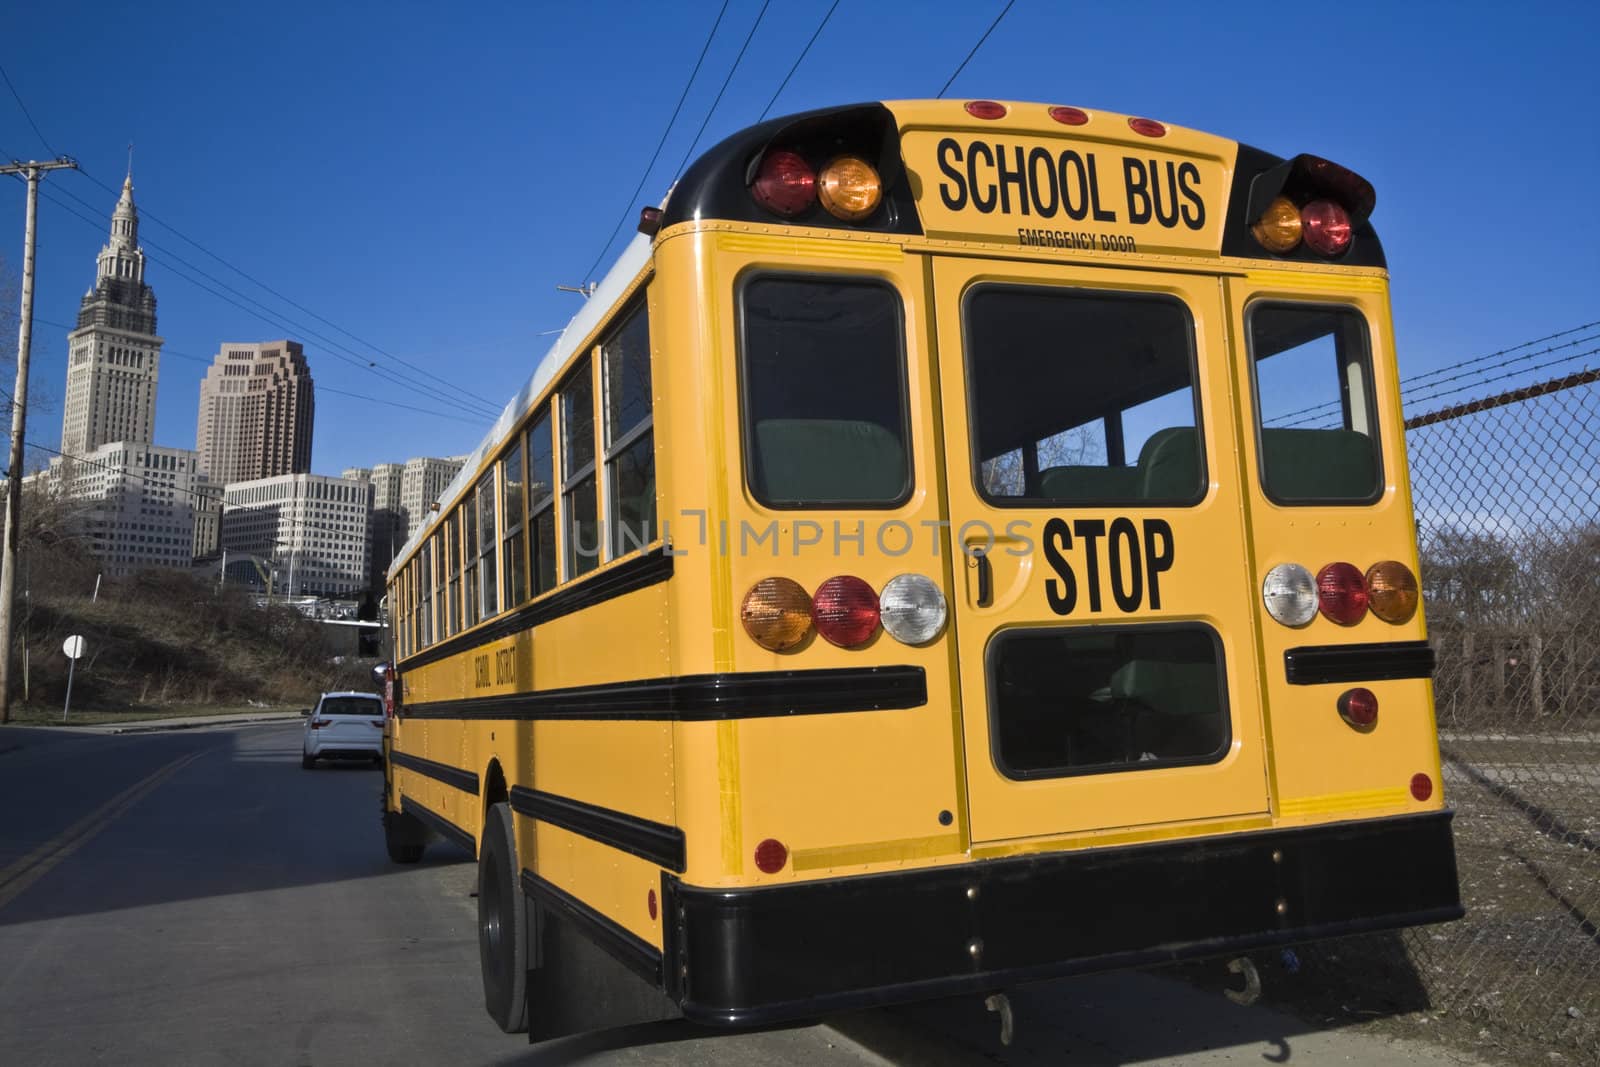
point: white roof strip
(605, 296)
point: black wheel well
(494, 788)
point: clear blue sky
(423, 176)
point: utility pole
(32, 171)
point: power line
(320, 389)
(627, 208)
(283, 322)
(975, 48)
(26, 114)
(270, 317)
(782, 85)
(712, 110)
(145, 213)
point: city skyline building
(133, 503)
(310, 531)
(114, 355)
(387, 528)
(423, 479)
(257, 406)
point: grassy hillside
(163, 639)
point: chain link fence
(1507, 496)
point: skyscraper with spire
(114, 355)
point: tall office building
(114, 355)
(421, 483)
(387, 528)
(256, 406)
(133, 503)
(310, 530)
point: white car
(343, 726)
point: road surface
(197, 897)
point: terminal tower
(114, 354)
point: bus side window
(488, 583)
(541, 505)
(515, 564)
(577, 472)
(630, 455)
(1314, 404)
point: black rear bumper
(755, 956)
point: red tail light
(845, 610)
(1342, 593)
(986, 109)
(1421, 786)
(785, 185)
(1326, 227)
(1147, 127)
(1070, 116)
(317, 724)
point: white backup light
(912, 609)
(1290, 594)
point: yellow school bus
(957, 544)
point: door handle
(985, 579)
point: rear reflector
(986, 109)
(1070, 116)
(771, 855)
(1359, 708)
(1421, 786)
(1147, 127)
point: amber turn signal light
(1392, 591)
(1278, 228)
(776, 613)
(849, 188)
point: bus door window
(822, 364)
(488, 581)
(1316, 416)
(1082, 397)
(630, 454)
(577, 472)
(515, 563)
(542, 504)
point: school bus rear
(1060, 559)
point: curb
(150, 728)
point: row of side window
(498, 547)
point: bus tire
(404, 837)
(502, 924)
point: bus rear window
(1317, 418)
(1082, 397)
(1093, 700)
(822, 365)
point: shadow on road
(242, 818)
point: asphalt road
(197, 897)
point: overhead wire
(712, 110)
(146, 214)
(274, 319)
(956, 73)
(800, 59)
(627, 208)
(25, 112)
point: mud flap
(574, 985)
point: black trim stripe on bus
(657, 842)
(700, 697)
(465, 781)
(438, 824)
(631, 950)
(1380, 661)
(626, 577)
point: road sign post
(73, 647)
